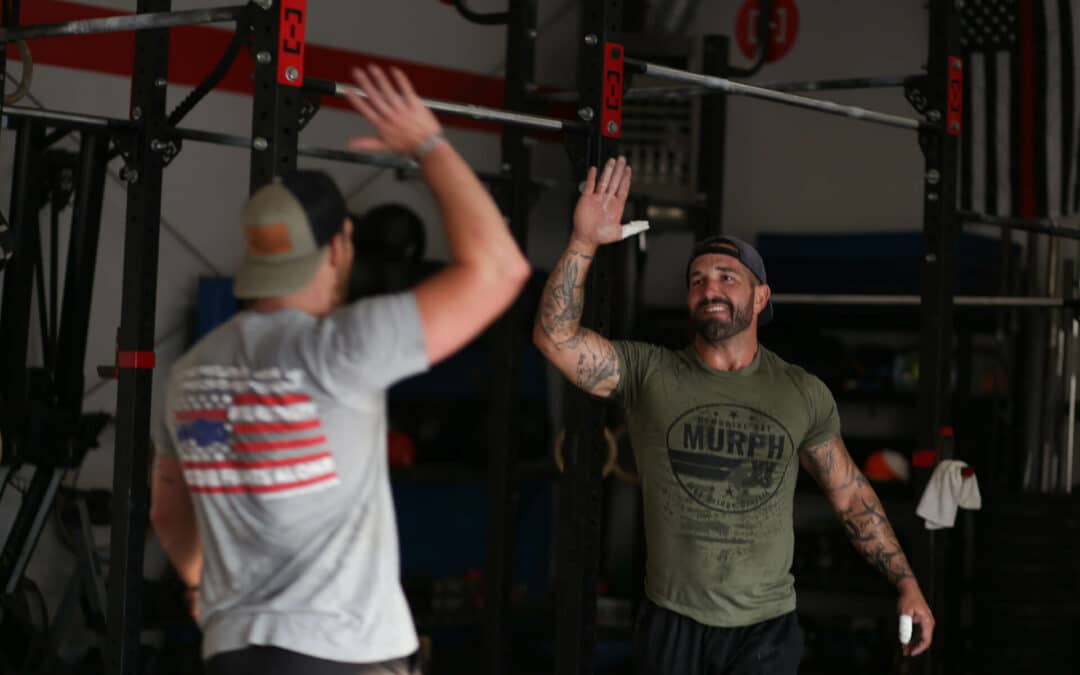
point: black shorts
(668, 643)
(260, 660)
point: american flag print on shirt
(251, 432)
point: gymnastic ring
(609, 440)
(27, 77)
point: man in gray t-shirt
(270, 490)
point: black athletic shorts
(258, 660)
(668, 643)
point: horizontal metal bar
(370, 159)
(841, 83)
(738, 88)
(819, 85)
(1026, 224)
(126, 22)
(386, 161)
(857, 299)
(74, 119)
(469, 110)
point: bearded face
(717, 319)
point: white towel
(948, 490)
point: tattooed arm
(863, 517)
(585, 357)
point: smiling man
(719, 429)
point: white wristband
(425, 148)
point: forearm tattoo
(873, 537)
(561, 308)
(563, 302)
(858, 507)
(833, 469)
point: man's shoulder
(799, 375)
(648, 351)
(207, 348)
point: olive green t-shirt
(717, 453)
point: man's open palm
(599, 211)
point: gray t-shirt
(279, 422)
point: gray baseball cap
(741, 251)
(287, 225)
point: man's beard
(715, 330)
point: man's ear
(762, 297)
(338, 247)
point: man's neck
(735, 353)
(299, 302)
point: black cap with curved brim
(741, 251)
(287, 225)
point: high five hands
(402, 122)
(599, 210)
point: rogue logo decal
(729, 457)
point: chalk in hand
(634, 227)
(905, 629)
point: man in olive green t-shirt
(719, 430)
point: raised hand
(401, 120)
(599, 210)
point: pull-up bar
(380, 160)
(475, 112)
(119, 24)
(385, 161)
(730, 87)
(800, 85)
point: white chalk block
(634, 227)
(905, 628)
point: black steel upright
(26, 197)
(131, 494)
(505, 407)
(943, 92)
(26, 188)
(277, 37)
(583, 456)
(47, 406)
(81, 266)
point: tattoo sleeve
(858, 507)
(585, 357)
(563, 301)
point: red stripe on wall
(195, 50)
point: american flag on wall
(1019, 150)
(250, 432)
